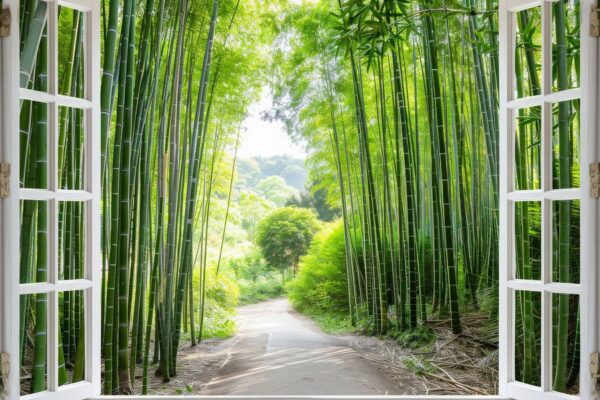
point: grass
(264, 288)
(421, 337)
(330, 323)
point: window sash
(508, 386)
(11, 289)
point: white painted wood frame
(587, 288)
(90, 196)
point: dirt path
(278, 352)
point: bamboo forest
(383, 228)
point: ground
(280, 352)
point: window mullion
(546, 185)
(93, 184)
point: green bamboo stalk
(565, 150)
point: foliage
(315, 199)
(417, 338)
(249, 267)
(267, 286)
(333, 323)
(404, 142)
(222, 296)
(321, 286)
(397, 102)
(285, 235)
(176, 85)
(253, 170)
(257, 281)
(274, 189)
(252, 209)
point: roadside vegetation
(320, 287)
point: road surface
(278, 352)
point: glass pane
(71, 240)
(70, 52)
(34, 145)
(71, 347)
(528, 337)
(71, 148)
(565, 44)
(565, 241)
(34, 343)
(565, 144)
(528, 139)
(565, 343)
(34, 46)
(33, 265)
(528, 240)
(528, 52)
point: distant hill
(251, 171)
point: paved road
(279, 352)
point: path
(279, 352)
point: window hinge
(595, 180)
(5, 22)
(4, 371)
(595, 370)
(4, 180)
(4, 365)
(595, 21)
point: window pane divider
(59, 195)
(60, 100)
(80, 5)
(73, 195)
(539, 286)
(524, 391)
(546, 196)
(555, 97)
(74, 391)
(74, 102)
(36, 95)
(539, 195)
(518, 5)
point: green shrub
(320, 284)
(250, 267)
(267, 286)
(222, 297)
(256, 279)
(417, 338)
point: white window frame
(587, 289)
(90, 195)
(91, 388)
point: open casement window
(548, 217)
(51, 211)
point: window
(547, 217)
(54, 212)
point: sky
(264, 138)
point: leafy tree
(249, 267)
(321, 282)
(285, 235)
(295, 175)
(317, 200)
(253, 208)
(248, 173)
(276, 190)
(251, 171)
